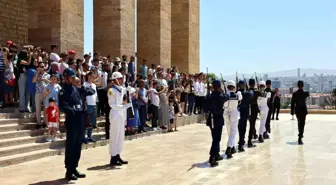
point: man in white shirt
(201, 95)
(155, 103)
(197, 89)
(53, 55)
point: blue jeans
(191, 102)
(92, 114)
(142, 116)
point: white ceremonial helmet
(117, 59)
(116, 75)
(231, 83)
(262, 83)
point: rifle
(223, 81)
(237, 81)
(245, 82)
(208, 83)
(255, 74)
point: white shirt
(197, 87)
(202, 90)
(232, 104)
(103, 80)
(155, 100)
(54, 57)
(262, 101)
(152, 71)
(91, 100)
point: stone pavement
(181, 158)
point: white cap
(116, 75)
(231, 83)
(262, 83)
(117, 59)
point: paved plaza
(181, 158)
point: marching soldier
(215, 120)
(263, 97)
(71, 104)
(118, 104)
(298, 104)
(244, 114)
(253, 113)
(270, 108)
(231, 116)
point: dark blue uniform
(70, 102)
(254, 112)
(270, 107)
(244, 109)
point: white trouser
(231, 121)
(263, 118)
(117, 131)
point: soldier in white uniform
(231, 116)
(119, 105)
(263, 96)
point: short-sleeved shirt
(53, 93)
(142, 94)
(41, 84)
(52, 113)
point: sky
(260, 35)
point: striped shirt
(2, 63)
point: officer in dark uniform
(71, 104)
(215, 120)
(270, 107)
(298, 105)
(244, 114)
(253, 113)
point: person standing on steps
(244, 114)
(71, 104)
(118, 103)
(298, 105)
(270, 109)
(214, 109)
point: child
(53, 119)
(171, 115)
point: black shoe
(107, 137)
(300, 142)
(272, 118)
(120, 160)
(266, 136)
(250, 145)
(90, 140)
(233, 150)
(85, 141)
(261, 139)
(255, 136)
(228, 153)
(79, 174)
(241, 148)
(219, 157)
(213, 162)
(277, 118)
(70, 177)
(114, 161)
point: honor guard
(118, 104)
(71, 104)
(244, 114)
(253, 113)
(298, 105)
(270, 108)
(215, 120)
(231, 116)
(263, 98)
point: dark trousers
(200, 104)
(276, 108)
(301, 118)
(252, 120)
(73, 143)
(268, 119)
(102, 98)
(142, 116)
(107, 121)
(242, 124)
(2, 84)
(191, 102)
(196, 104)
(155, 115)
(216, 134)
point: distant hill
(288, 73)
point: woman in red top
(53, 119)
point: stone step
(17, 127)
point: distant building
(330, 86)
(306, 87)
(304, 75)
(276, 84)
(320, 83)
(298, 73)
(265, 77)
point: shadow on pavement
(103, 167)
(54, 182)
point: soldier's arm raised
(63, 101)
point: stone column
(185, 35)
(114, 27)
(57, 22)
(13, 22)
(154, 31)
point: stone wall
(154, 31)
(114, 31)
(13, 21)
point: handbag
(12, 82)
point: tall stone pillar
(185, 35)
(154, 31)
(114, 27)
(13, 22)
(57, 22)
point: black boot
(277, 118)
(300, 142)
(233, 150)
(70, 176)
(261, 139)
(255, 136)
(219, 157)
(250, 144)
(121, 161)
(114, 161)
(228, 153)
(78, 174)
(273, 118)
(212, 161)
(241, 148)
(266, 136)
